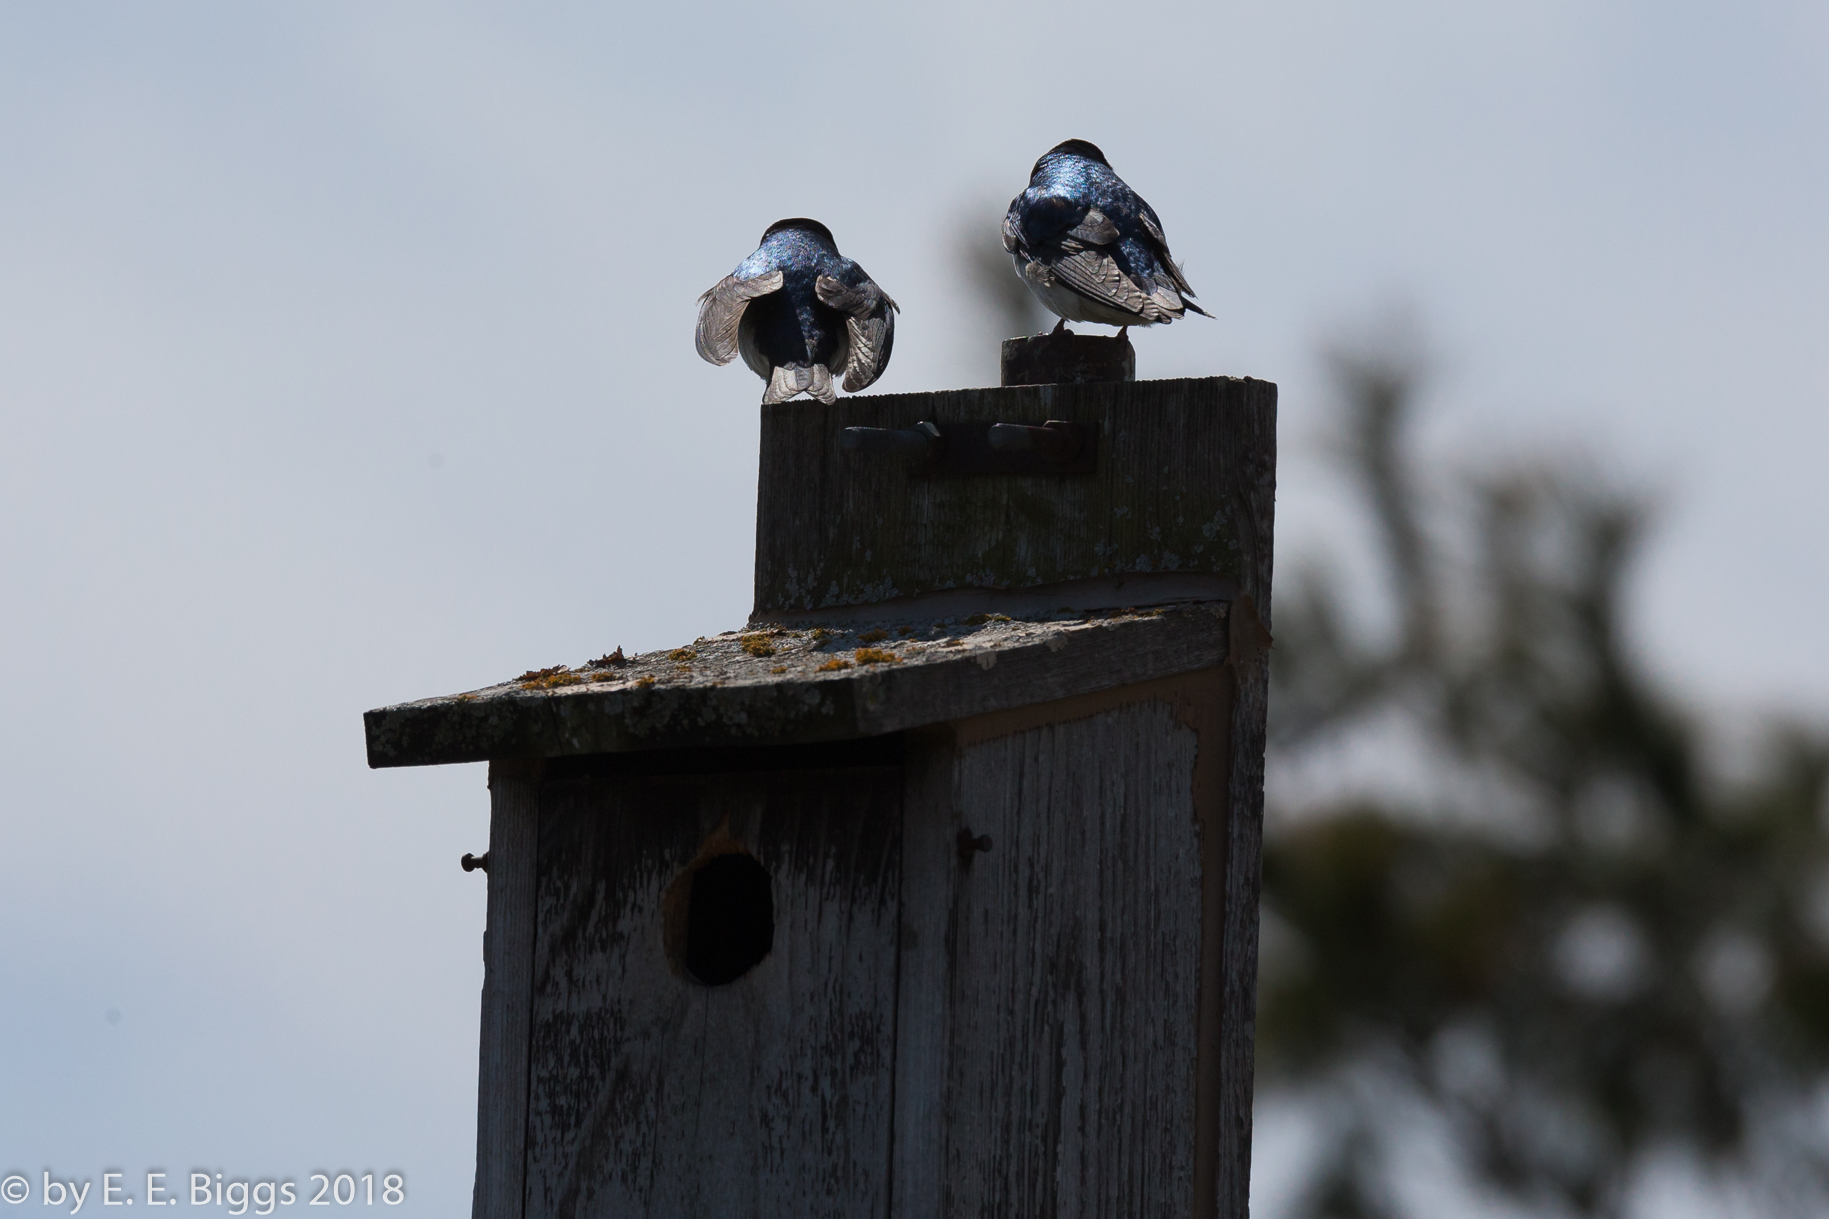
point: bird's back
(791, 326)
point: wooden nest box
(931, 892)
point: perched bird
(799, 313)
(1089, 247)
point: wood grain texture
(1178, 459)
(655, 1096)
(508, 942)
(1254, 509)
(1060, 1026)
(1071, 1075)
(930, 871)
(1238, 968)
(1068, 358)
(741, 702)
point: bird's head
(1072, 148)
(800, 224)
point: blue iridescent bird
(799, 313)
(1089, 247)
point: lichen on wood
(815, 686)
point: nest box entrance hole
(728, 923)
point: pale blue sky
(345, 357)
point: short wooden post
(933, 890)
(1065, 358)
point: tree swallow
(1089, 247)
(799, 312)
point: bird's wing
(1056, 220)
(1168, 299)
(1153, 227)
(1095, 228)
(851, 299)
(721, 312)
(872, 339)
(1094, 273)
(869, 324)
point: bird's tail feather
(787, 382)
(1186, 291)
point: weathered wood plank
(1210, 706)
(1254, 509)
(659, 1097)
(726, 697)
(1243, 882)
(930, 870)
(1074, 1031)
(1068, 358)
(508, 940)
(1177, 461)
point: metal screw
(475, 863)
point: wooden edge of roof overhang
(775, 685)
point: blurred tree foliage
(1576, 943)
